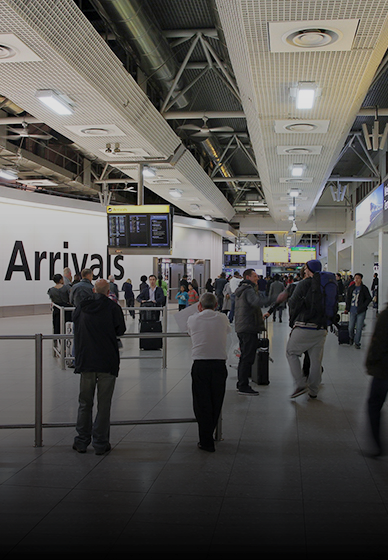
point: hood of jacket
(244, 285)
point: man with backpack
(313, 307)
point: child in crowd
(183, 298)
(193, 295)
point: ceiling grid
(343, 76)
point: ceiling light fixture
(297, 169)
(57, 102)
(8, 174)
(207, 217)
(176, 193)
(148, 171)
(293, 193)
(305, 94)
(294, 229)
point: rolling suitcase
(150, 343)
(343, 332)
(260, 368)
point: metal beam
(173, 115)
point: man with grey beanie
(307, 335)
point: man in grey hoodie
(248, 323)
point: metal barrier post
(62, 331)
(38, 390)
(164, 349)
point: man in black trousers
(98, 321)
(209, 331)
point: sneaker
(103, 451)
(249, 391)
(298, 392)
(358, 346)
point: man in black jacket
(307, 335)
(98, 321)
(248, 323)
(357, 300)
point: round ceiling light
(95, 131)
(311, 38)
(301, 127)
(7, 52)
(302, 151)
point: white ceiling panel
(267, 66)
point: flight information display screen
(235, 260)
(137, 227)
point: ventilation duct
(135, 29)
(214, 151)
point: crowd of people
(239, 299)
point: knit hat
(314, 265)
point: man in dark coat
(357, 300)
(248, 323)
(98, 321)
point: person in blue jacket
(183, 298)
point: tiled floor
(288, 476)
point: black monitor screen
(136, 230)
(237, 260)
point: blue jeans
(356, 323)
(232, 306)
(97, 431)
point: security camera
(294, 229)
(108, 149)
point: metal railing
(59, 351)
(38, 424)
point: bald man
(98, 321)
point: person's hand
(346, 311)
(266, 315)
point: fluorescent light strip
(55, 101)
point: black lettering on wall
(77, 269)
(119, 267)
(53, 259)
(38, 259)
(18, 249)
(99, 268)
(65, 255)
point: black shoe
(103, 451)
(248, 391)
(205, 448)
(79, 449)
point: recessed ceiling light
(297, 169)
(57, 102)
(176, 193)
(9, 174)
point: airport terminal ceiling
(203, 94)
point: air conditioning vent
(325, 35)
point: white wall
(42, 225)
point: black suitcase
(343, 332)
(260, 368)
(149, 314)
(150, 343)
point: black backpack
(324, 299)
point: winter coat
(377, 355)
(98, 321)
(364, 298)
(248, 317)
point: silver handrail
(39, 424)
(61, 353)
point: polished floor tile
(288, 476)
